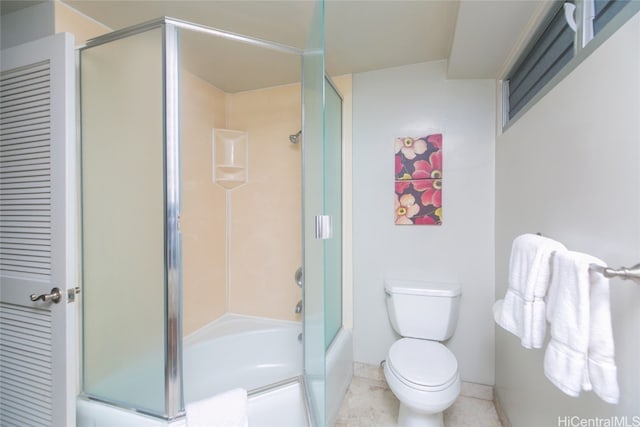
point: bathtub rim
(234, 323)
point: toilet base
(410, 418)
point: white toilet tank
(424, 310)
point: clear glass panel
(240, 100)
(123, 221)
(333, 207)
(312, 189)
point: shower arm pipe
(233, 36)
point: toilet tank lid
(415, 287)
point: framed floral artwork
(418, 180)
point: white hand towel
(601, 360)
(227, 409)
(523, 310)
(580, 354)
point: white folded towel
(227, 409)
(523, 310)
(580, 354)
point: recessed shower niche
(230, 157)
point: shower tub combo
(253, 352)
(138, 369)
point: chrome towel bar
(624, 273)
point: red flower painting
(418, 174)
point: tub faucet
(299, 307)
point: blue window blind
(544, 58)
(604, 11)
(554, 47)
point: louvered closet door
(38, 360)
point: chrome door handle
(324, 228)
(55, 296)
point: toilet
(420, 370)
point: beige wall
(265, 230)
(241, 247)
(203, 218)
(70, 20)
(264, 215)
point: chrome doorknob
(55, 296)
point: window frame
(585, 43)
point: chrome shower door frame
(173, 393)
(171, 139)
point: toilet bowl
(421, 371)
(424, 376)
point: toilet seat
(422, 364)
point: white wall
(28, 24)
(569, 169)
(413, 101)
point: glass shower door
(332, 195)
(123, 221)
(322, 217)
(131, 263)
(313, 83)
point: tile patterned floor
(370, 403)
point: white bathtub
(339, 372)
(240, 351)
(248, 352)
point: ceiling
(477, 37)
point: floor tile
(370, 403)
(471, 412)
